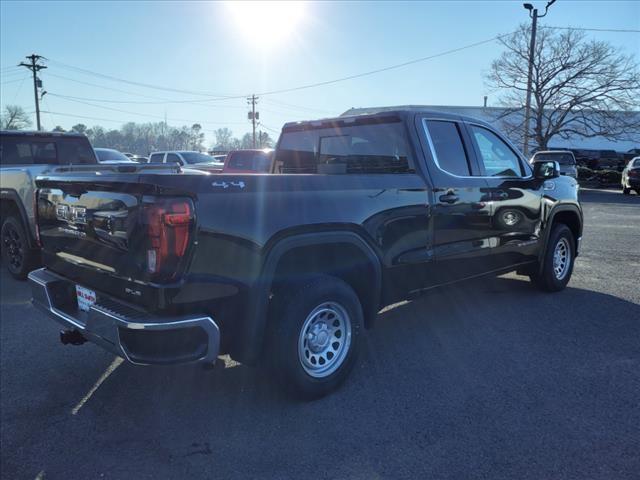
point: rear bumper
(133, 334)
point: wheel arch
(571, 216)
(288, 258)
(11, 204)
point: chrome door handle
(449, 198)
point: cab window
(498, 159)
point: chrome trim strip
(435, 156)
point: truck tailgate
(125, 228)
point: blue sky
(200, 46)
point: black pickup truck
(287, 269)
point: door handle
(449, 198)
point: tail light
(633, 173)
(36, 217)
(168, 228)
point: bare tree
(580, 88)
(14, 118)
(224, 138)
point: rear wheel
(314, 336)
(557, 264)
(626, 190)
(16, 254)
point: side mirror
(545, 170)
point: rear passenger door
(516, 197)
(460, 203)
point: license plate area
(85, 297)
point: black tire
(16, 254)
(547, 277)
(625, 190)
(294, 308)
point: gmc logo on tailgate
(71, 214)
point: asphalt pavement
(487, 379)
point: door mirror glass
(546, 169)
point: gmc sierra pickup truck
(24, 156)
(288, 269)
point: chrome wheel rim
(12, 245)
(324, 340)
(561, 259)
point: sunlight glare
(266, 24)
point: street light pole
(533, 13)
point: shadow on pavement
(476, 380)
(608, 196)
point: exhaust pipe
(71, 337)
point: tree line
(144, 138)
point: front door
(516, 198)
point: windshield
(106, 154)
(562, 158)
(196, 157)
(250, 160)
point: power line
(272, 130)
(16, 80)
(139, 84)
(614, 30)
(390, 67)
(143, 114)
(291, 89)
(155, 102)
(102, 86)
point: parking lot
(487, 379)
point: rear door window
(448, 148)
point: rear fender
(255, 322)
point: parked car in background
(248, 161)
(610, 160)
(109, 155)
(288, 270)
(631, 176)
(23, 156)
(565, 158)
(630, 155)
(140, 159)
(186, 158)
(127, 154)
(219, 158)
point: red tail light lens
(633, 173)
(168, 227)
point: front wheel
(557, 263)
(314, 336)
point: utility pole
(35, 68)
(253, 115)
(533, 13)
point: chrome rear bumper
(133, 334)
